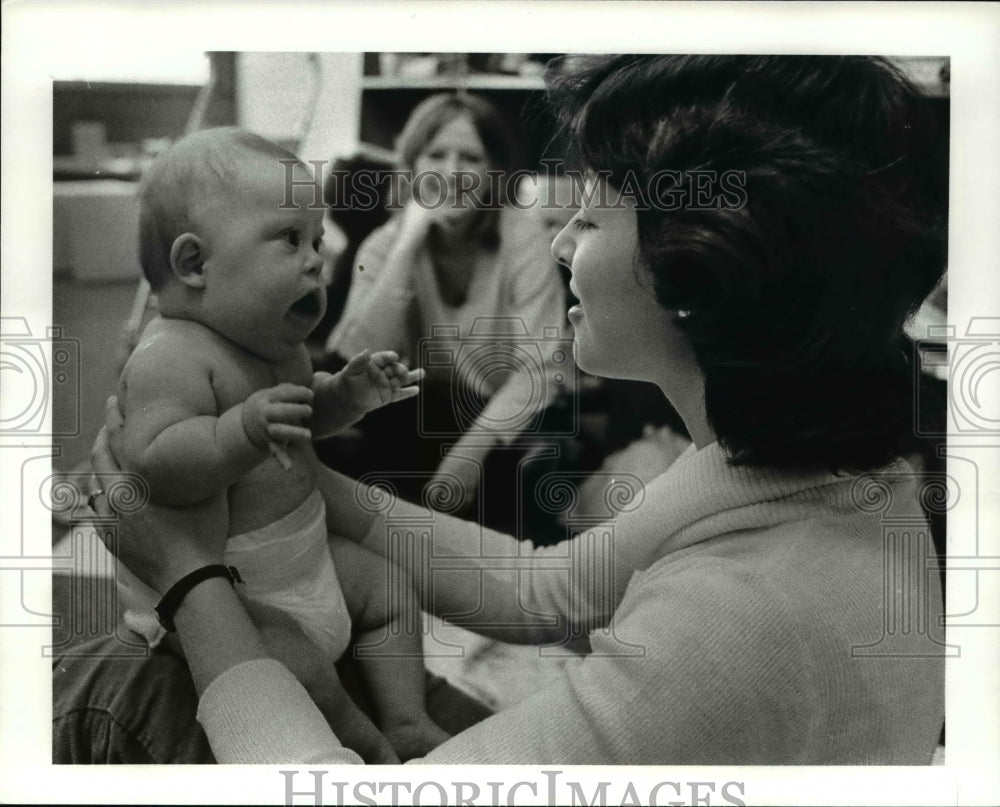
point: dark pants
(112, 708)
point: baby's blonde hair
(193, 169)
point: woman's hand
(158, 544)
(418, 218)
(415, 224)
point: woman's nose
(562, 246)
(452, 163)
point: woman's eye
(582, 224)
(291, 237)
(317, 244)
(470, 157)
(436, 154)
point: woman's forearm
(501, 586)
(251, 708)
(215, 631)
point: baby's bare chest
(236, 378)
(269, 491)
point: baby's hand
(273, 418)
(371, 380)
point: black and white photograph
(596, 402)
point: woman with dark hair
(450, 259)
(791, 293)
(736, 610)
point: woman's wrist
(176, 594)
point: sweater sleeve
(375, 316)
(510, 589)
(258, 713)
(689, 672)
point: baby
(220, 402)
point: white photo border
(967, 33)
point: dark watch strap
(175, 595)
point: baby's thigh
(376, 590)
(285, 641)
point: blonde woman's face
(452, 169)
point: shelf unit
(932, 74)
(386, 102)
(472, 83)
(384, 113)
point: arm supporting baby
(216, 633)
(480, 571)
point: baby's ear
(187, 260)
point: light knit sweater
(514, 292)
(749, 626)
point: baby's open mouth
(309, 305)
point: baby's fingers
(286, 433)
(293, 413)
(385, 358)
(290, 393)
(411, 376)
(402, 393)
(401, 374)
(358, 364)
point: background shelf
(467, 82)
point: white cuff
(258, 713)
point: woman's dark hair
(433, 114)
(793, 284)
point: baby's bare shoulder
(177, 358)
(170, 346)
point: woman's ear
(187, 260)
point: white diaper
(285, 565)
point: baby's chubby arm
(176, 439)
(367, 382)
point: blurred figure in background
(448, 258)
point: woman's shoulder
(798, 569)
